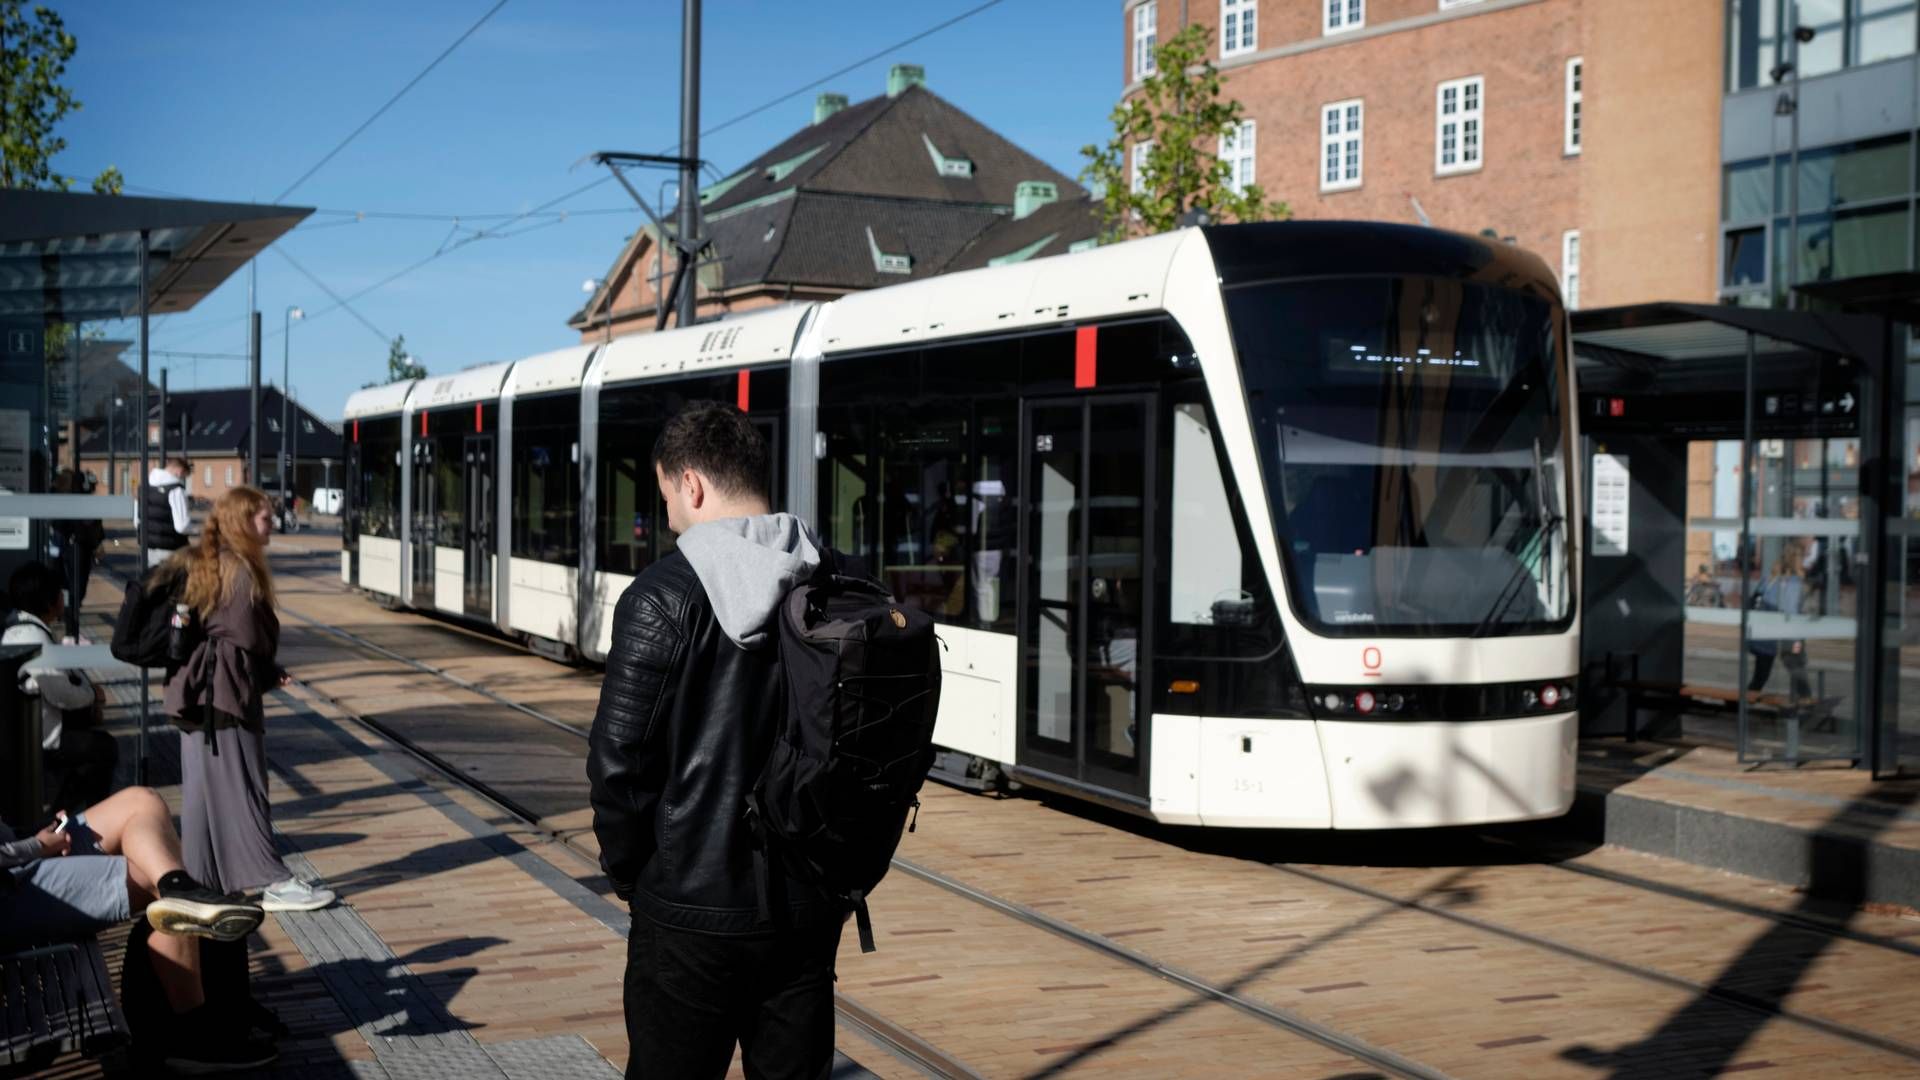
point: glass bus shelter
(1745, 565)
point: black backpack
(855, 739)
(142, 633)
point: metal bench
(57, 1000)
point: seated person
(79, 757)
(120, 858)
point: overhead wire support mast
(689, 249)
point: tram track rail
(899, 1042)
(903, 1045)
(1729, 996)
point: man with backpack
(732, 940)
(164, 512)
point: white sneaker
(295, 895)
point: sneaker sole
(269, 904)
(192, 1067)
(221, 922)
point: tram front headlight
(1333, 703)
(1549, 696)
(1529, 699)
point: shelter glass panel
(1800, 623)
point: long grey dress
(217, 698)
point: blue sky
(234, 100)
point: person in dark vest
(687, 713)
(163, 510)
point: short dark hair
(34, 588)
(719, 442)
(180, 463)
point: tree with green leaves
(1179, 115)
(34, 50)
(400, 365)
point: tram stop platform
(458, 949)
(1832, 831)
(471, 943)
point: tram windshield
(1411, 437)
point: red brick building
(1588, 131)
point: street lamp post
(113, 467)
(286, 348)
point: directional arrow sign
(1846, 401)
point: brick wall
(1644, 191)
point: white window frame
(1137, 158)
(1570, 268)
(1341, 16)
(1235, 17)
(1237, 149)
(1343, 122)
(1575, 129)
(1146, 36)
(1461, 117)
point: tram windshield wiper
(1516, 582)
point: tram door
(353, 513)
(1085, 584)
(426, 520)
(480, 546)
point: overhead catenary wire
(501, 231)
(381, 111)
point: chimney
(901, 76)
(1031, 195)
(827, 104)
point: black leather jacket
(684, 722)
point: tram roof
(1123, 279)
(480, 383)
(561, 369)
(763, 337)
(376, 400)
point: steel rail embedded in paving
(1380, 1058)
(1680, 892)
(1331, 1038)
(1735, 998)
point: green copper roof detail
(901, 76)
(1024, 253)
(781, 170)
(720, 187)
(751, 204)
(827, 104)
(1079, 246)
(1031, 195)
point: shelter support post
(1746, 546)
(140, 737)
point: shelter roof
(72, 257)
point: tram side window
(917, 481)
(632, 522)
(378, 500)
(450, 489)
(546, 479)
(1219, 625)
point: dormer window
(961, 168)
(887, 262)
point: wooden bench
(55, 1000)
(1672, 697)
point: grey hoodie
(748, 565)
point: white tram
(1260, 525)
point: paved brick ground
(478, 940)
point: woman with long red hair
(217, 698)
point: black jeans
(690, 997)
(1796, 663)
